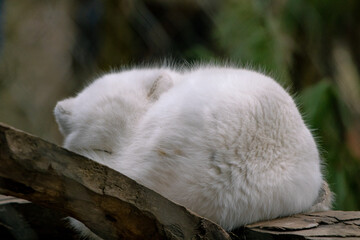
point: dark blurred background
(50, 49)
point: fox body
(227, 143)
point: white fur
(227, 143)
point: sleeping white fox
(227, 143)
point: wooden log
(109, 203)
(321, 225)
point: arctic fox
(227, 143)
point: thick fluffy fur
(227, 143)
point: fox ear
(159, 85)
(63, 112)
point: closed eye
(104, 151)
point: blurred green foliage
(325, 113)
(247, 31)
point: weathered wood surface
(114, 206)
(321, 225)
(109, 203)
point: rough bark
(109, 203)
